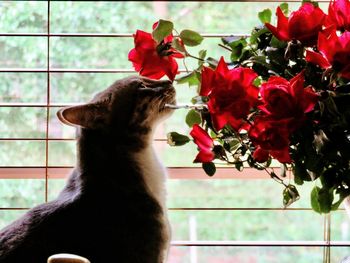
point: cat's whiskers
(186, 106)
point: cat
(112, 208)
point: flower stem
(191, 56)
(184, 63)
(225, 47)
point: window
(56, 53)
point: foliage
(283, 95)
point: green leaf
(163, 29)
(300, 173)
(193, 117)
(191, 38)
(239, 166)
(322, 199)
(257, 82)
(268, 162)
(283, 171)
(191, 79)
(230, 39)
(209, 168)
(314, 163)
(237, 46)
(238, 42)
(177, 139)
(315, 4)
(285, 8)
(202, 54)
(256, 34)
(213, 63)
(290, 195)
(178, 45)
(199, 100)
(329, 178)
(261, 60)
(265, 16)
(275, 42)
(298, 180)
(336, 205)
(314, 199)
(237, 52)
(234, 144)
(325, 199)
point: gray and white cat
(112, 208)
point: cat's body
(113, 206)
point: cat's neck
(153, 171)
(128, 161)
(99, 151)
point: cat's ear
(87, 116)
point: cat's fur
(112, 208)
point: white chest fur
(154, 174)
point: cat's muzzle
(168, 97)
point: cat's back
(97, 224)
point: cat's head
(131, 105)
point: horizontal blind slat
(262, 243)
(61, 172)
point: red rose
(303, 24)
(334, 52)
(271, 138)
(339, 14)
(284, 104)
(284, 99)
(231, 94)
(205, 144)
(154, 60)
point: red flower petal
(204, 157)
(261, 155)
(222, 67)
(297, 86)
(152, 66)
(281, 31)
(208, 76)
(273, 81)
(339, 14)
(135, 59)
(246, 76)
(205, 144)
(317, 58)
(170, 67)
(152, 73)
(328, 44)
(148, 62)
(282, 156)
(201, 138)
(309, 100)
(177, 54)
(219, 120)
(344, 40)
(144, 40)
